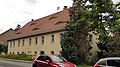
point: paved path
(14, 63)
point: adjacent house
(6, 36)
(41, 36)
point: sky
(14, 12)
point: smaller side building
(6, 36)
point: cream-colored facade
(94, 40)
(29, 46)
(24, 45)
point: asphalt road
(6, 63)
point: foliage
(113, 46)
(3, 49)
(107, 16)
(69, 50)
(74, 42)
(101, 16)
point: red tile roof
(54, 22)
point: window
(90, 38)
(17, 52)
(23, 42)
(35, 52)
(114, 63)
(52, 52)
(29, 41)
(58, 59)
(18, 43)
(10, 44)
(36, 40)
(44, 58)
(42, 39)
(52, 38)
(102, 62)
(41, 52)
(22, 52)
(13, 43)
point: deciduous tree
(85, 16)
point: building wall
(47, 46)
(94, 40)
(5, 36)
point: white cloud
(13, 12)
(115, 1)
(31, 2)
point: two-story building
(41, 36)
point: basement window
(22, 52)
(35, 52)
(52, 52)
(41, 52)
(18, 53)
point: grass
(17, 57)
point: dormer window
(35, 28)
(61, 21)
(53, 17)
(18, 33)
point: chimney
(32, 19)
(65, 7)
